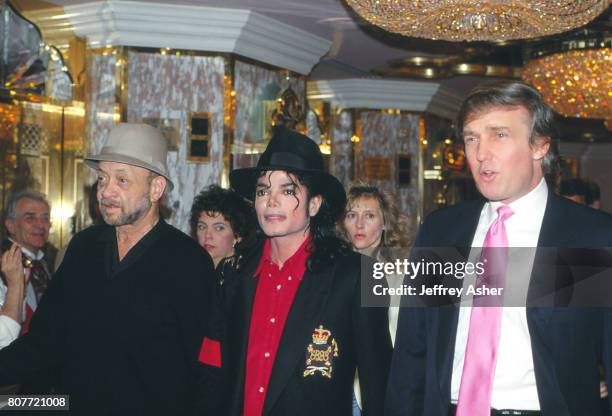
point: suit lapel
(460, 235)
(248, 287)
(448, 317)
(302, 320)
(555, 231)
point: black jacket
(567, 342)
(330, 298)
(126, 341)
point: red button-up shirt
(274, 296)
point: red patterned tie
(485, 323)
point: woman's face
(364, 223)
(215, 235)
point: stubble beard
(128, 218)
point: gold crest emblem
(321, 353)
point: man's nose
(272, 200)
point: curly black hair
(235, 209)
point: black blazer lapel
(447, 319)
(555, 231)
(458, 235)
(303, 318)
(247, 287)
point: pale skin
(129, 200)
(215, 234)
(31, 225)
(504, 164)
(364, 223)
(16, 281)
(283, 213)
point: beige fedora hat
(135, 144)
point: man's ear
(540, 147)
(314, 205)
(157, 188)
(10, 226)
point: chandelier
(575, 83)
(478, 20)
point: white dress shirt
(9, 329)
(514, 384)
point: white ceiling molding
(197, 28)
(382, 94)
(55, 27)
(445, 103)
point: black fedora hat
(293, 152)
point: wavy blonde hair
(396, 232)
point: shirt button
(269, 274)
(278, 287)
(267, 354)
(289, 278)
(261, 389)
(272, 320)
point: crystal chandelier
(576, 83)
(478, 20)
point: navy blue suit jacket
(567, 343)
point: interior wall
(171, 87)
(387, 135)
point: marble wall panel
(257, 88)
(387, 135)
(342, 149)
(100, 100)
(170, 87)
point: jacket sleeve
(406, 386)
(371, 329)
(194, 306)
(40, 348)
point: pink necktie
(485, 323)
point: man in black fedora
(125, 314)
(296, 330)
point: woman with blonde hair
(371, 222)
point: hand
(12, 267)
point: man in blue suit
(510, 360)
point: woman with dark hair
(222, 222)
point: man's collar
(297, 259)
(524, 205)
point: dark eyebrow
(288, 185)
(262, 185)
(113, 171)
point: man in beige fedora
(125, 315)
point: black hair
(593, 194)
(235, 209)
(574, 186)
